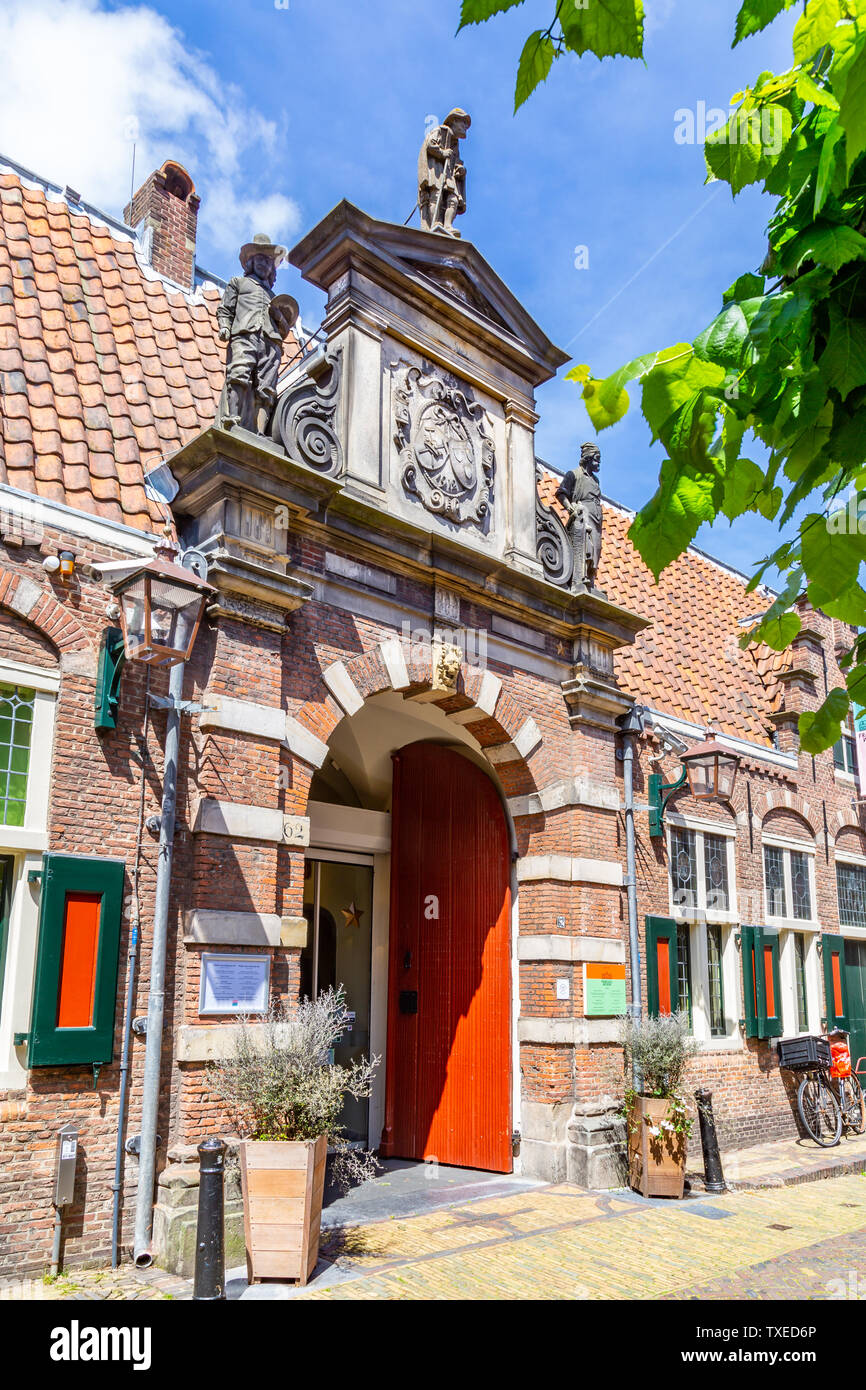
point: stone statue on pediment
(442, 174)
(254, 322)
(580, 495)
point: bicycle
(829, 1096)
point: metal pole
(55, 1249)
(714, 1178)
(635, 1007)
(210, 1279)
(142, 1253)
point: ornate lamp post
(161, 607)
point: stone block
(218, 928)
(596, 1149)
(294, 931)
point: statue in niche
(580, 495)
(253, 321)
(442, 174)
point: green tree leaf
(669, 522)
(843, 361)
(476, 11)
(820, 729)
(607, 28)
(815, 28)
(755, 15)
(849, 79)
(535, 63)
(604, 412)
(830, 556)
(825, 243)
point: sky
(281, 108)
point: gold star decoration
(352, 914)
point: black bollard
(210, 1278)
(714, 1178)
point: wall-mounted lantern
(161, 607)
(710, 769)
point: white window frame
(26, 843)
(696, 919)
(788, 981)
(787, 844)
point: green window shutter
(761, 982)
(7, 873)
(835, 989)
(661, 965)
(75, 990)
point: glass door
(338, 905)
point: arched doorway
(449, 994)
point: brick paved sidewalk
(125, 1283)
(785, 1162)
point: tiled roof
(689, 663)
(104, 369)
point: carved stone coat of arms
(447, 458)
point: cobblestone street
(800, 1242)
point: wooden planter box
(282, 1183)
(656, 1163)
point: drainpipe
(142, 1252)
(631, 725)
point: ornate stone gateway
(447, 458)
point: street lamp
(161, 606)
(710, 769)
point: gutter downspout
(142, 1252)
(632, 725)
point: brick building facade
(345, 578)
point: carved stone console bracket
(552, 542)
(304, 419)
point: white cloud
(80, 82)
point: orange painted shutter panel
(663, 958)
(768, 983)
(838, 1006)
(79, 957)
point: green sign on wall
(603, 988)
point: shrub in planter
(284, 1095)
(659, 1125)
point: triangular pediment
(446, 275)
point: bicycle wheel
(853, 1107)
(819, 1111)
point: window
(716, 871)
(800, 982)
(845, 754)
(684, 867)
(851, 889)
(16, 726)
(716, 986)
(701, 869)
(684, 971)
(788, 882)
(700, 941)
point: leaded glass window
(800, 978)
(716, 871)
(851, 886)
(16, 726)
(774, 881)
(684, 971)
(714, 967)
(800, 889)
(684, 867)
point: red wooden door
(449, 1012)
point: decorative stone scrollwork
(304, 418)
(447, 456)
(553, 544)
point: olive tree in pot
(284, 1095)
(659, 1124)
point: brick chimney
(167, 204)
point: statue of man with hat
(253, 321)
(442, 174)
